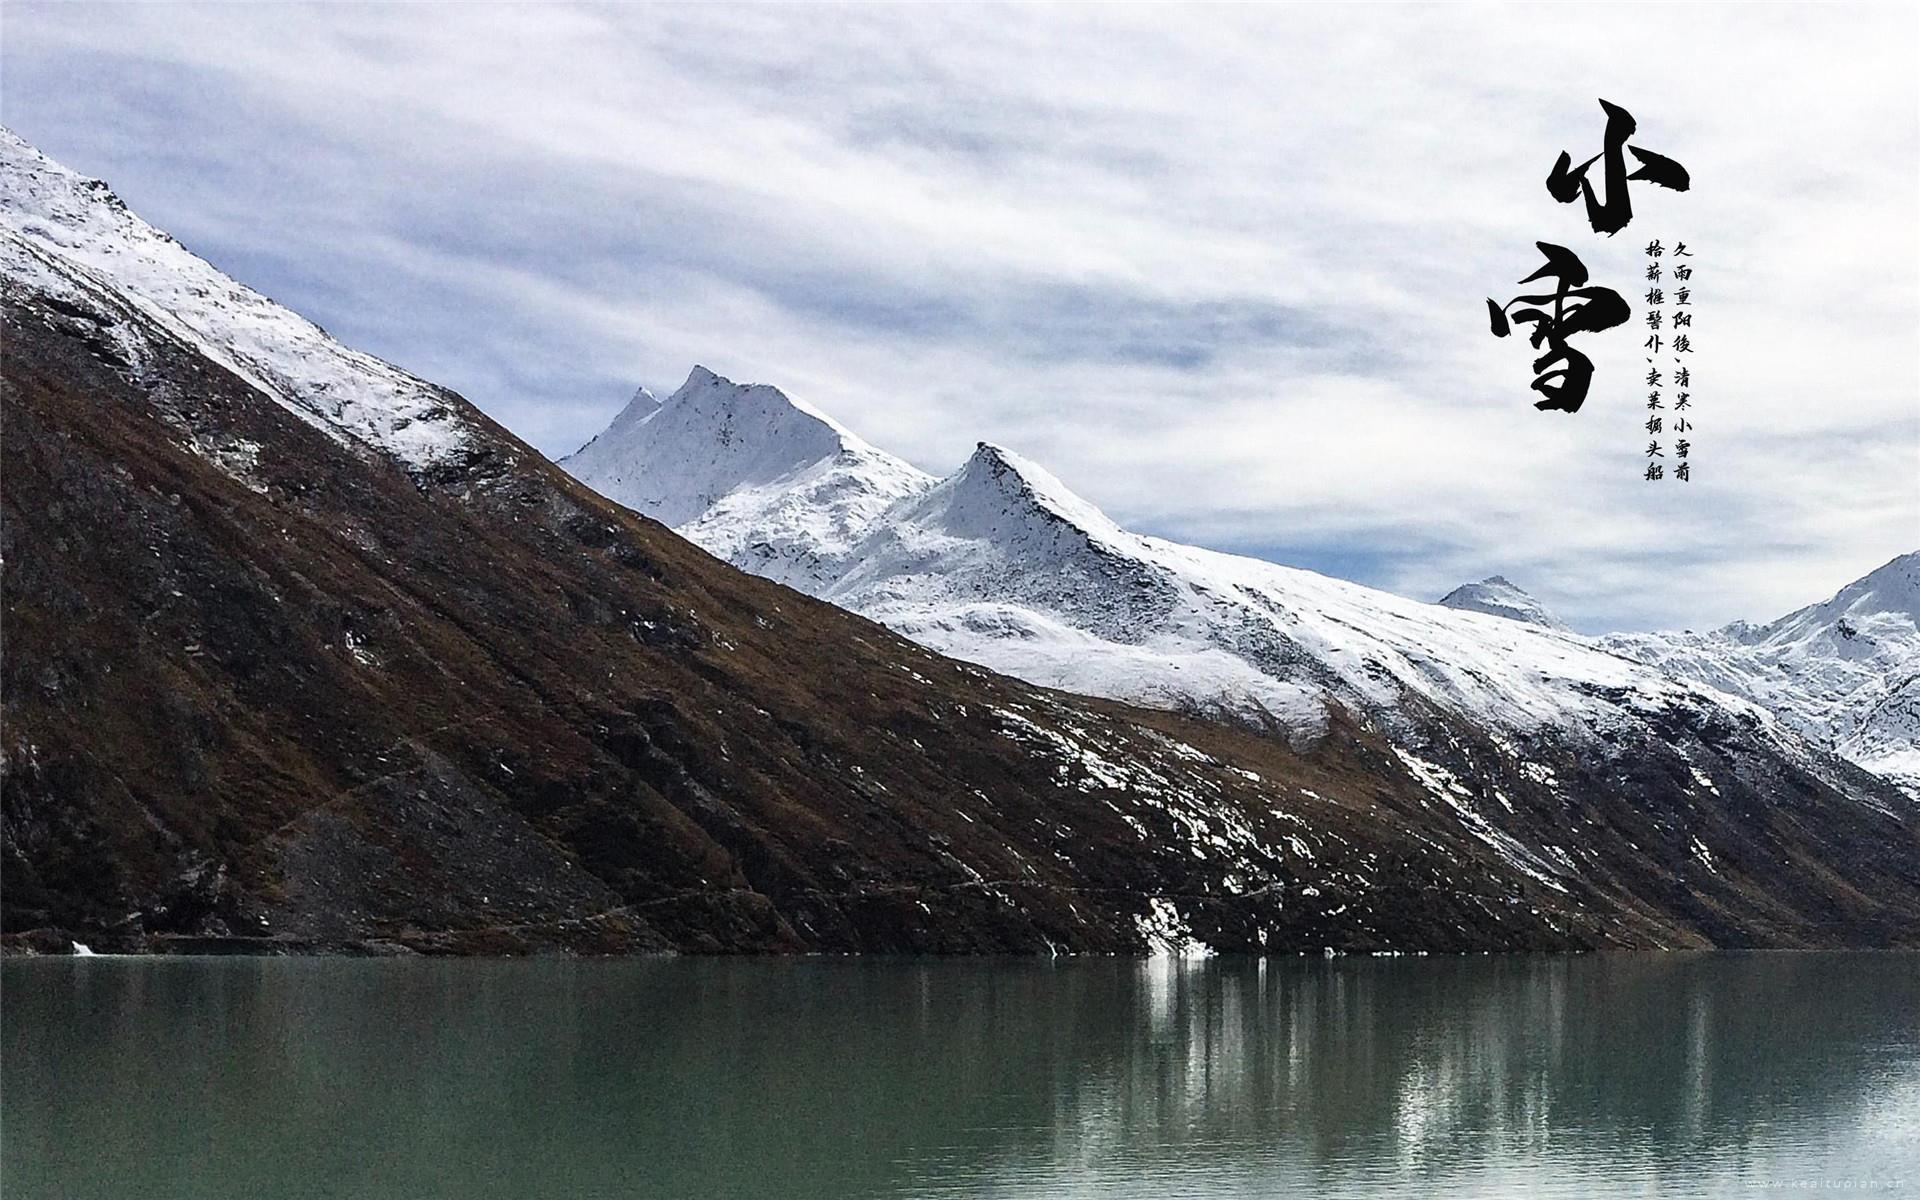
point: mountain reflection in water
(1711, 1074)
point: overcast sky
(1223, 271)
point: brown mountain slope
(264, 690)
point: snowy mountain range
(1001, 564)
(1844, 672)
(305, 653)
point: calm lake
(1529, 1076)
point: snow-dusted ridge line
(62, 235)
(1000, 563)
(1845, 672)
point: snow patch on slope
(1166, 932)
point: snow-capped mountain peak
(770, 482)
(711, 438)
(71, 239)
(996, 528)
(997, 489)
(760, 416)
(1498, 596)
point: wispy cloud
(1222, 269)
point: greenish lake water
(1767, 1075)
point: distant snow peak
(755, 410)
(1498, 596)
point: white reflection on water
(1679, 1075)
(1709, 1075)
